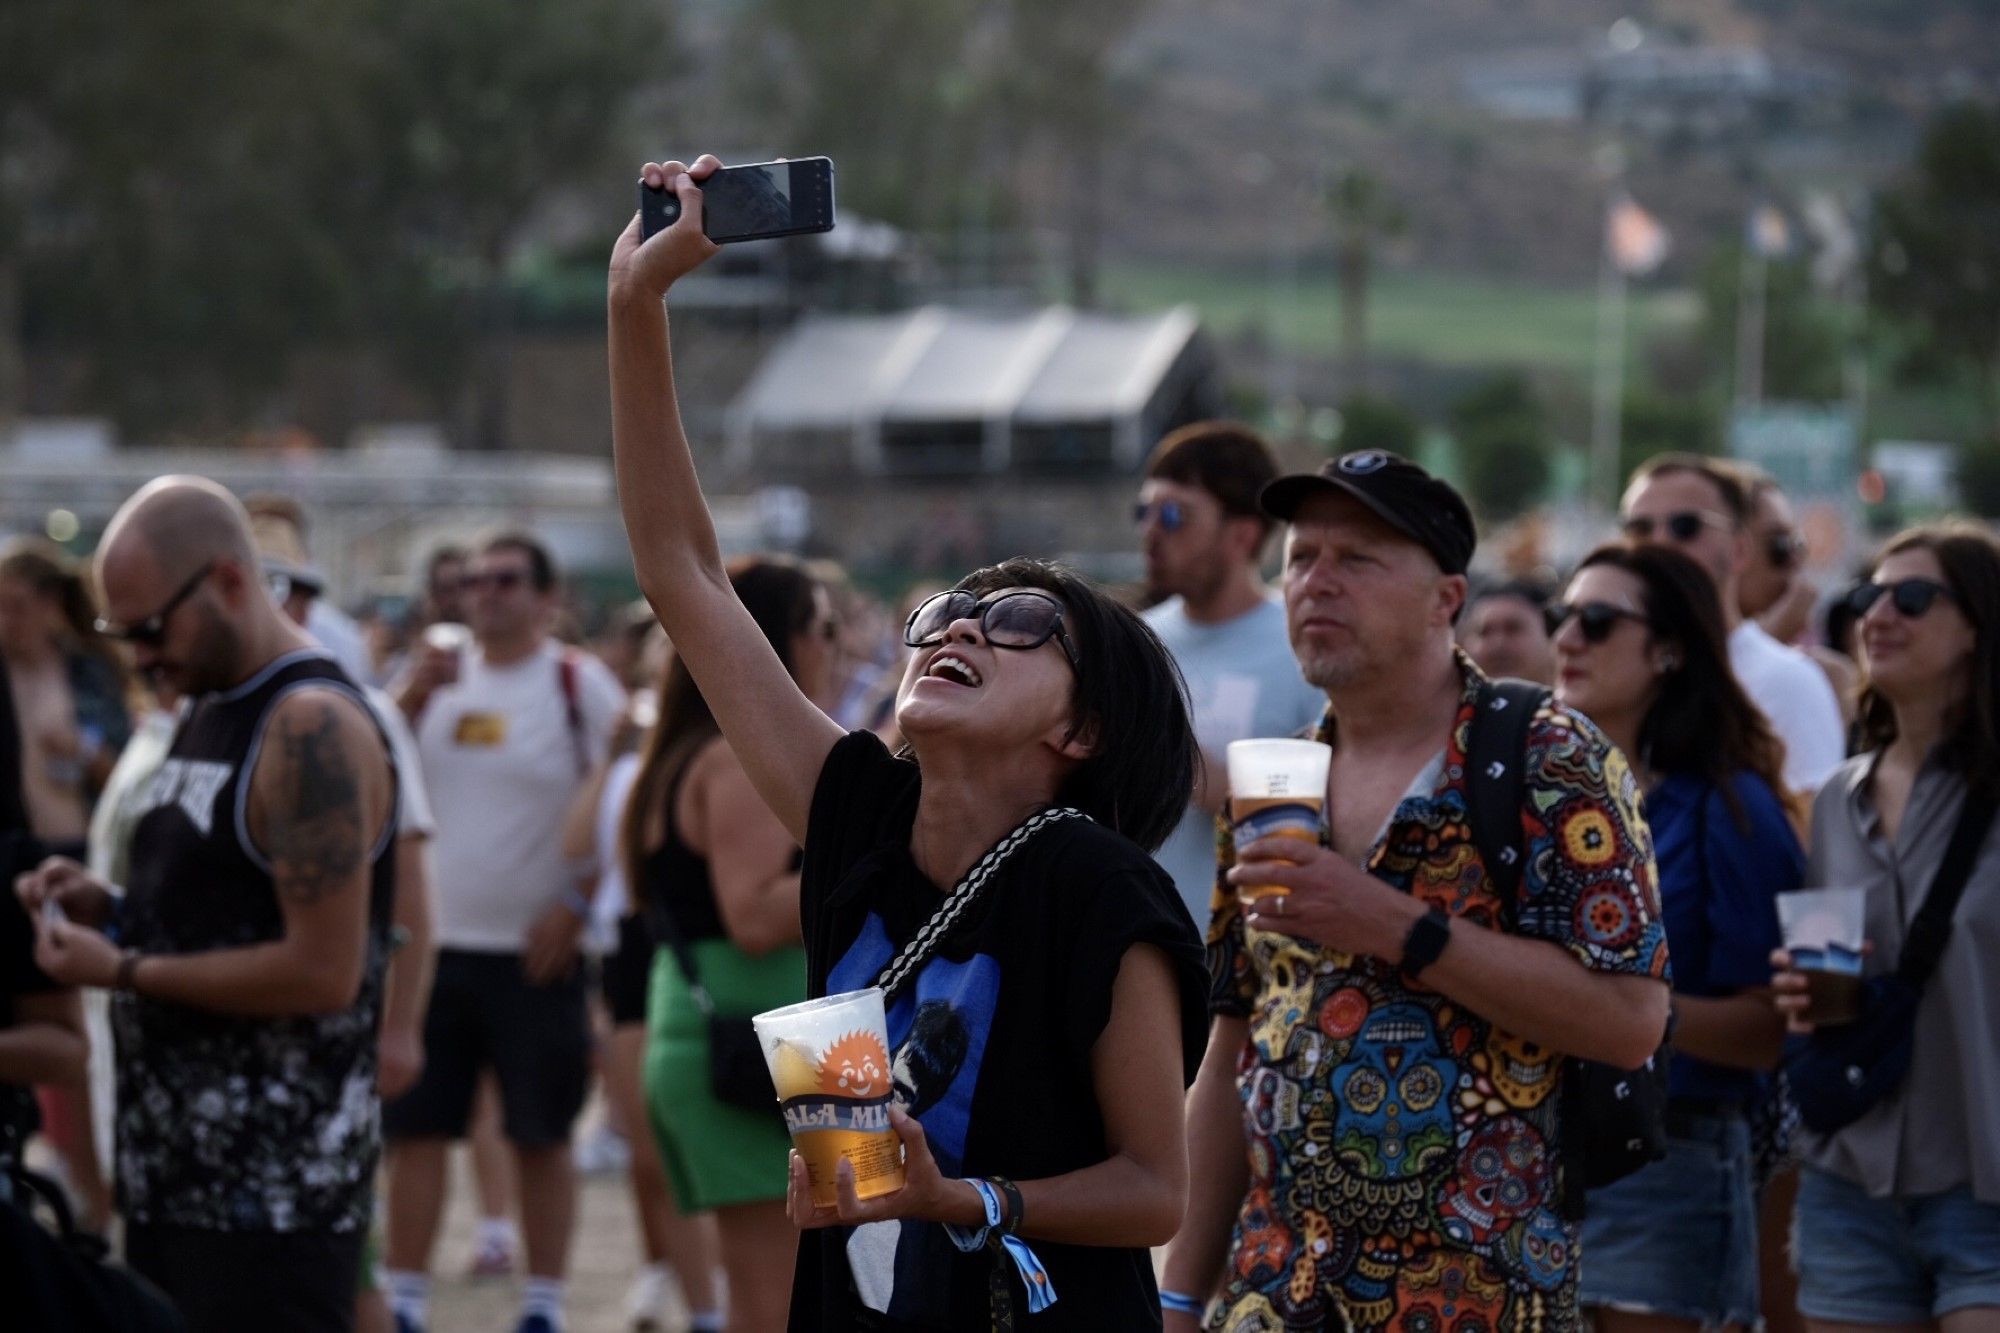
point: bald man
(251, 942)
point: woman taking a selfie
(1642, 652)
(1043, 1046)
(1899, 1209)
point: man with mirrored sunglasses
(1204, 539)
(1701, 507)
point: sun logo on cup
(855, 1066)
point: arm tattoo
(313, 830)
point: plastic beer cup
(1823, 931)
(829, 1060)
(1277, 789)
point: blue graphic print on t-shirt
(937, 1033)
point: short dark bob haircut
(1130, 702)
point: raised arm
(781, 738)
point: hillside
(1268, 99)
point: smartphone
(752, 203)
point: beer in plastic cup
(1823, 931)
(829, 1060)
(1277, 789)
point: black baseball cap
(1426, 509)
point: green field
(1445, 318)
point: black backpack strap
(1496, 783)
(1931, 931)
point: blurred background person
(507, 730)
(718, 877)
(1204, 538)
(1641, 651)
(669, 1237)
(67, 687)
(1899, 1212)
(42, 1036)
(282, 519)
(1698, 506)
(1774, 589)
(1506, 632)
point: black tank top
(679, 894)
(228, 1122)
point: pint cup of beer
(1823, 930)
(1277, 789)
(829, 1060)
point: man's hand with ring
(1323, 898)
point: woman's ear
(1078, 742)
(1667, 658)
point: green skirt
(715, 1154)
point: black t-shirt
(992, 1041)
(18, 976)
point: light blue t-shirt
(1242, 681)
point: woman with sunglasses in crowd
(714, 878)
(1041, 1052)
(1899, 1212)
(1641, 651)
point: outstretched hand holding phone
(649, 267)
(779, 735)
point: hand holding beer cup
(1277, 789)
(829, 1061)
(1818, 972)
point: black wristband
(1012, 1193)
(1428, 935)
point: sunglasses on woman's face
(1019, 620)
(1910, 597)
(1595, 619)
(1683, 525)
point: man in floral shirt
(1389, 1033)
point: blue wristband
(573, 899)
(1179, 1303)
(965, 1238)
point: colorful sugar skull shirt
(1403, 1154)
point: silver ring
(1280, 900)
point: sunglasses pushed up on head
(1021, 619)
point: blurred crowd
(579, 871)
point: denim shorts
(1678, 1238)
(1904, 1259)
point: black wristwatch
(1428, 935)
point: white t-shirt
(1243, 681)
(503, 765)
(1797, 698)
(413, 802)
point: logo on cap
(1362, 463)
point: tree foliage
(1502, 431)
(1371, 422)
(1936, 258)
(192, 193)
